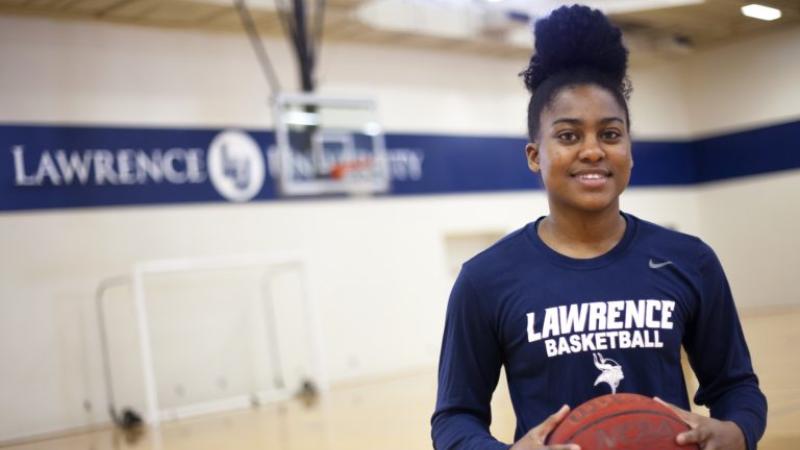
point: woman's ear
(532, 153)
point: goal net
(201, 335)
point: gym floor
(393, 413)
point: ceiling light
(761, 12)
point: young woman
(589, 300)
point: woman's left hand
(708, 433)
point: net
(210, 334)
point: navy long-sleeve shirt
(568, 330)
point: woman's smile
(593, 178)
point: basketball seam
(633, 411)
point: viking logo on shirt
(610, 372)
(602, 325)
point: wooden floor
(393, 413)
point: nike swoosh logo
(655, 265)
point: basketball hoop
(351, 169)
(329, 145)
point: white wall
(104, 73)
(79, 72)
(659, 106)
(752, 225)
(752, 222)
(378, 267)
(746, 84)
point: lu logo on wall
(234, 163)
(236, 166)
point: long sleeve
(469, 367)
(719, 356)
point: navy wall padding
(450, 164)
(663, 164)
(762, 150)
(37, 139)
(465, 164)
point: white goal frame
(153, 415)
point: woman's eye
(611, 135)
(568, 136)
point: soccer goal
(192, 336)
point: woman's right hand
(534, 439)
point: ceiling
(664, 28)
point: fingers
(540, 432)
(695, 436)
(559, 415)
(700, 432)
(686, 416)
(551, 422)
(563, 447)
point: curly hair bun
(576, 37)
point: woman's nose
(591, 151)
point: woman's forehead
(585, 102)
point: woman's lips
(592, 180)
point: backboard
(329, 145)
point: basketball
(621, 422)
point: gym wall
(378, 268)
(750, 221)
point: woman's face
(583, 150)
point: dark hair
(575, 45)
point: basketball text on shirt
(602, 325)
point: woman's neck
(581, 234)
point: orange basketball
(621, 422)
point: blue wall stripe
(465, 164)
(762, 150)
(450, 164)
(36, 139)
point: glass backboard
(329, 145)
